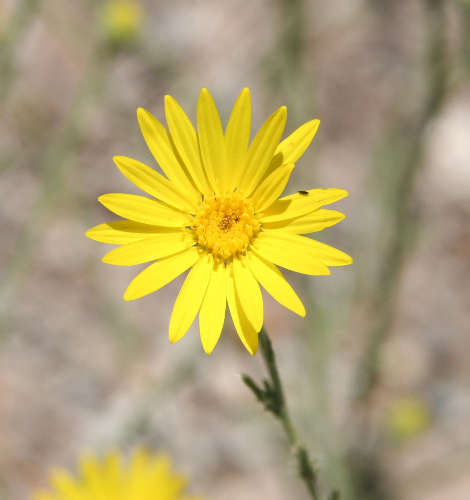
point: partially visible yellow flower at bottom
(143, 477)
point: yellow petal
(159, 142)
(294, 146)
(237, 138)
(64, 483)
(112, 468)
(272, 187)
(150, 181)
(44, 496)
(186, 142)
(249, 293)
(295, 256)
(300, 203)
(160, 273)
(299, 253)
(212, 313)
(248, 335)
(261, 150)
(309, 223)
(189, 299)
(145, 210)
(272, 280)
(92, 472)
(152, 248)
(211, 140)
(120, 232)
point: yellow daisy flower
(145, 477)
(217, 212)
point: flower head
(121, 20)
(407, 418)
(145, 477)
(217, 213)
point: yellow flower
(217, 212)
(145, 477)
(408, 417)
(121, 20)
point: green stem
(404, 227)
(21, 19)
(271, 395)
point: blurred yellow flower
(145, 477)
(408, 417)
(218, 213)
(121, 20)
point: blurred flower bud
(407, 418)
(121, 21)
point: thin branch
(271, 395)
(410, 140)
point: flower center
(225, 225)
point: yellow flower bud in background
(121, 21)
(407, 418)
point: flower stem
(271, 395)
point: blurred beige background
(377, 375)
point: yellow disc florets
(225, 225)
